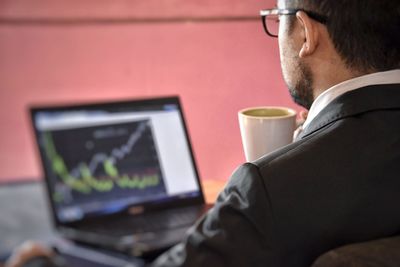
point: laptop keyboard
(153, 222)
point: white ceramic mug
(265, 129)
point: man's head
(358, 37)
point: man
(338, 182)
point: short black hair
(365, 33)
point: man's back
(345, 180)
(338, 184)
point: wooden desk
(212, 188)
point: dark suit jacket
(338, 184)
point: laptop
(119, 175)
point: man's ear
(310, 33)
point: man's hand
(299, 122)
(302, 117)
(28, 251)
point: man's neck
(328, 75)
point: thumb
(302, 117)
(303, 114)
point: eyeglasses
(270, 18)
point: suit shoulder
(246, 178)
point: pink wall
(216, 66)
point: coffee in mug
(265, 129)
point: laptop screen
(104, 158)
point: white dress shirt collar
(386, 77)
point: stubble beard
(302, 91)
